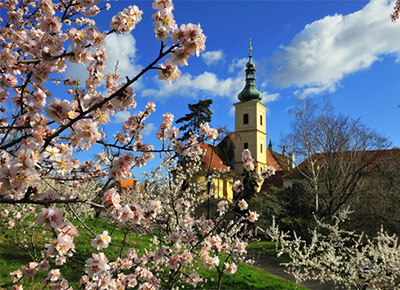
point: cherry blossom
(97, 266)
(46, 132)
(169, 71)
(230, 268)
(50, 217)
(209, 132)
(248, 161)
(242, 204)
(101, 241)
(253, 216)
(125, 21)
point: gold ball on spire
(250, 48)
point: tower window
(245, 118)
(246, 146)
(261, 148)
(260, 120)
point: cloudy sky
(346, 50)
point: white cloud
(121, 117)
(288, 109)
(231, 111)
(268, 97)
(328, 49)
(212, 57)
(205, 84)
(149, 129)
(121, 48)
(238, 63)
(312, 91)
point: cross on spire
(250, 48)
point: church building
(250, 133)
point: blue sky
(346, 50)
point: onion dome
(250, 91)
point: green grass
(267, 248)
(247, 277)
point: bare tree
(337, 152)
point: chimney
(292, 163)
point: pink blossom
(97, 266)
(59, 110)
(101, 241)
(248, 161)
(208, 132)
(210, 262)
(44, 265)
(266, 173)
(54, 275)
(222, 206)
(111, 199)
(125, 21)
(61, 285)
(230, 268)
(50, 217)
(16, 276)
(60, 260)
(253, 216)
(30, 270)
(193, 279)
(237, 186)
(169, 71)
(126, 214)
(242, 204)
(165, 126)
(10, 224)
(61, 246)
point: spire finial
(250, 48)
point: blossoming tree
(345, 258)
(41, 133)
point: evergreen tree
(200, 113)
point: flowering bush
(43, 132)
(347, 259)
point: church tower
(250, 127)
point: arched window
(246, 146)
(260, 120)
(261, 148)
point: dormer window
(245, 119)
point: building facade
(250, 133)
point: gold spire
(250, 48)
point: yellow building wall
(221, 187)
(253, 133)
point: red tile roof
(210, 155)
(127, 183)
(272, 160)
(224, 153)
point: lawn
(11, 259)
(267, 248)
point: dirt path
(272, 265)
